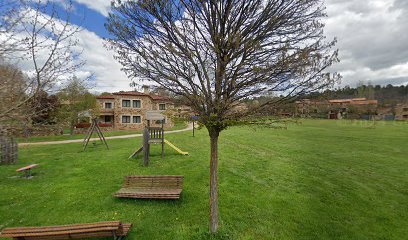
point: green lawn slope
(318, 179)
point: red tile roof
(130, 93)
(340, 101)
(355, 101)
(106, 97)
(365, 102)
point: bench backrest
(99, 229)
(154, 182)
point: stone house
(352, 108)
(335, 108)
(401, 112)
(126, 110)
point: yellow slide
(175, 148)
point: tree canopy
(215, 53)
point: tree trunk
(214, 181)
(71, 128)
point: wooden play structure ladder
(154, 135)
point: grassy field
(177, 126)
(316, 180)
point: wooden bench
(114, 229)
(153, 187)
(27, 170)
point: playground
(316, 180)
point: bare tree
(12, 90)
(43, 41)
(216, 53)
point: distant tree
(361, 89)
(105, 94)
(161, 91)
(74, 99)
(13, 85)
(45, 106)
(215, 53)
(370, 91)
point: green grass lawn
(316, 180)
(177, 126)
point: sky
(372, 38)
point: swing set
(94, 128)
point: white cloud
(100, 61)
(372, 37)
(102, 6)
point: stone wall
(401, 112)
(34, 130)
(85, 130)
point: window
(137, 119)
(405, 116)
(405, 109)
(137, 104)
(125, 119)
(108, 119)
(162, 106)
(125, 103)
(108, 105)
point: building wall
(401, 112)
(118, 111)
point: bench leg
(27, 173)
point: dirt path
(190, 126)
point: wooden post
(162, 138)
(193, 128)
(88, 137)
(146, 147)
(100, 134)
(97, 129)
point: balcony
(87, 125)
(105, 111)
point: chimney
(146, 89)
